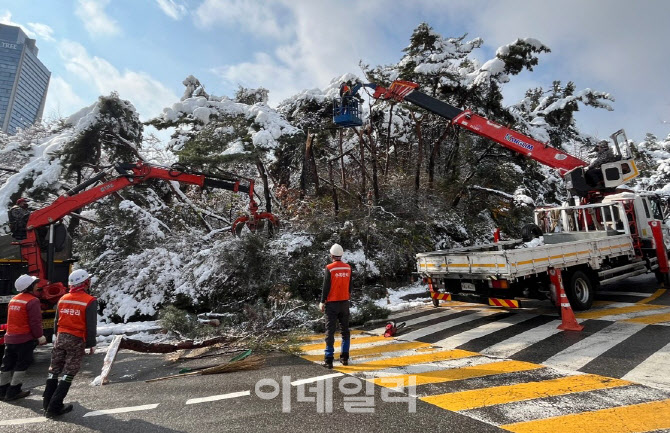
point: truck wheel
(579, 290)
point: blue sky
(145, 48)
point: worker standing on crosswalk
(75, 329)
(335, 303)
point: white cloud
(172, 8)
(61, 100)
(246, 14)
(33, 30)
(92, 14)
(324, 40)
(43, 31)
(148, 95)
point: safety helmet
(25, 282)
(78, 277)
(336, 250)
(21, 201)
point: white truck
(591, 244)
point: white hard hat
(336, 250)
(78, 277)
(24, 281)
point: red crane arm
(140, 172)
(543, 153)
(130, 175)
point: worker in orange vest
(75, 328)
(24, 332)
(335, 303)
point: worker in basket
(594, 174)
(18, 219)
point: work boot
(328, 363)
(3, 391)
(56, 406)
(49, 390)
(344, 359)
(14, 393)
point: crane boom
(570, 167)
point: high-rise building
(24, 80)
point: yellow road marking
(323, 336)
(617, 310)
(650, 320)
(401, 361)
(635, 418)
(657, 294)
(394, 347)
(465, 400)
(457, 373)
(338, 342)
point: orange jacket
(338, 280)
(18, 316)
(72, 313)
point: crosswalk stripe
(338, 342)
(648, 370)
(454, 341)
(375, 350)
(468, 372)
(642, 417)
(423, 320)
(650, 319)
(561, 405)
(399, 361)
(604, 312)
(584, 351)
(427, 330)
(510, 346)
(464, 400)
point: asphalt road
(237, 401)
(244, 413)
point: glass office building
(24, 80)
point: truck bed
(504, 260)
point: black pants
(337, 311)
(18, 357)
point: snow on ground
(395, 301)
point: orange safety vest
(72, 313)
(340, 275)
(17, 315)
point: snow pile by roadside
(403, 298)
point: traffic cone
(567, 315)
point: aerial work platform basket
(347, 112)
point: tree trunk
(419, 156)
(362, 162)
(266, 184)
(309, 176)
(433, 157)
(342, 172)
(332, 182)
(388, 144)
(373, 151)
